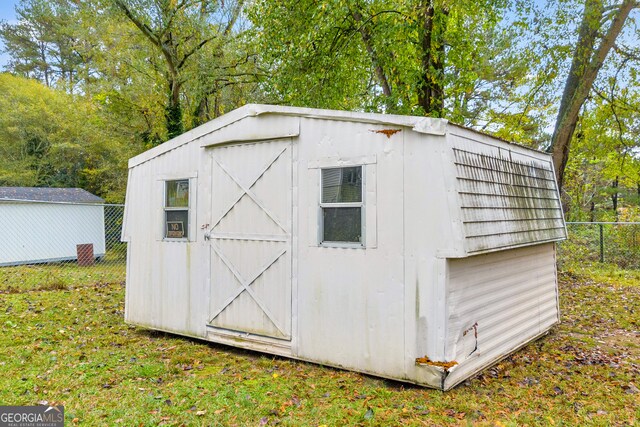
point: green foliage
(49, 138)
(378, 56)
(620, 245)
(43, 44)
(603, 171)
(193, 48)
(150, 69)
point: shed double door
(250, 238)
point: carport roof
(42, 194)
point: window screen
(176, 209)
(341, 204)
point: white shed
(41, 225)
(404, 247)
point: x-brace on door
(250, 238)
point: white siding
(350, 301)
(508, 196)
(167, 288)
(432, 232)
(48, 232)
(505, 298)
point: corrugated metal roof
(42, 194)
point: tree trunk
(614, 196)
(43, 58)
(217, 106)
(375, 61)
(587, 60)
(202, 112)
(173, 113)
(430, 87)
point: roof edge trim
(419, 124)
(253, 128)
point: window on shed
(176, 209)
(341, 204)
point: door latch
(207, 235)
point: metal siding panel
(351, 300)
(490, 215)
(481, 229)
(432, 231)
(510, 296)
(425, 125)
(42, 232)
(491, 201)
(505, 189)
(126, 216)
(164, 276)
(506, 241)
(507, 194)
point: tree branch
(368, 43)
(146, 30)
(193, 51)
(153, 38)
(234, 17)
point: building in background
(41, 225)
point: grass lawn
(68, 345)
(61, 275)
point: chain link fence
(604, 242)
(56, 245)
(47, 245)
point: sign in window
(176, 209)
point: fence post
(601, 242)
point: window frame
(165, 209)
(361, 204)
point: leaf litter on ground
(106, 372)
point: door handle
(207, 235)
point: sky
(7, 13)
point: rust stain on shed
(387, 132)
(426, 361)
